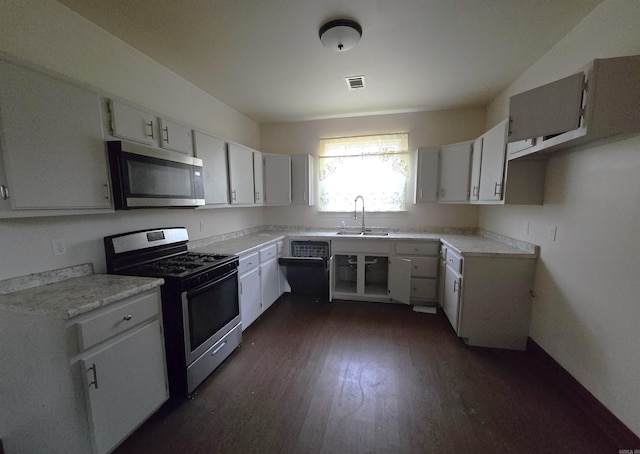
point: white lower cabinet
(366, 270)
(260, 282)
(124, 383)
(488, 299)
(249, 288)
(424, 269)
(82, 384)
(269, 275)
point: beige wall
(587, 310)
(48, 35)
(425, 129)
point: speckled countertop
(483, 244)
(71, 297)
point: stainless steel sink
(360, 233)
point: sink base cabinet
(489, 302)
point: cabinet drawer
(454, 261)
(268, 252)
(424, 289)
(424, 266)
(248, 262)
(422, 248)
(107, 324)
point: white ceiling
(264, 57)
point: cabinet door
(277, 179)
(213, 153)
(269, 283)
(175, 136)
(302, 180)
(250, 297)
(451, 296)
(427, 174)
(455, 169)
(128, 122)
(493, 161)
(476, 162)
(258, 178)
(399, 281)
(53, 146)
(125, 383)
(240, 174)
(551, 109)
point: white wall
(425, 129)
(587, 311)
(48, 35)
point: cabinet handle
(150, 124)
(4, 192)
(166, 133)
(241, 288)
(455, 286)
(497, 188)
(233, 195)
(475, 192)
(127, 317)
(257, 196)
(95, 376)
(442, 193)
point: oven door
(208, 313)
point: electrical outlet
(58, 246)
(551, 235)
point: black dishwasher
(307, 269)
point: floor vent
(355, 82)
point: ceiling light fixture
(340, 34)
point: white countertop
(466, 245)
(71, 297)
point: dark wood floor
(357, 377)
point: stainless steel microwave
(145, 177)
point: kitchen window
(375, 167)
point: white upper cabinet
(175, 136)
(277, 179)
(258, 178)
(427, 174)
(302, 180)
(455, 170)
(131, 123)
(492, 162)
(599, 101)
(52, 146)
(213, 153)
(241, 178)
(476, 162)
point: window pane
(375, 167)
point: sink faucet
(355, 207)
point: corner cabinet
(277, 179)
(599, 101)
(487, 299)
(302, 180)
(53, 152)
(213, 153)
(427, 172)
(455, 172)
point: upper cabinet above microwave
(600, 101)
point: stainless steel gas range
(200, 308)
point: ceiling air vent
(355, 82)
